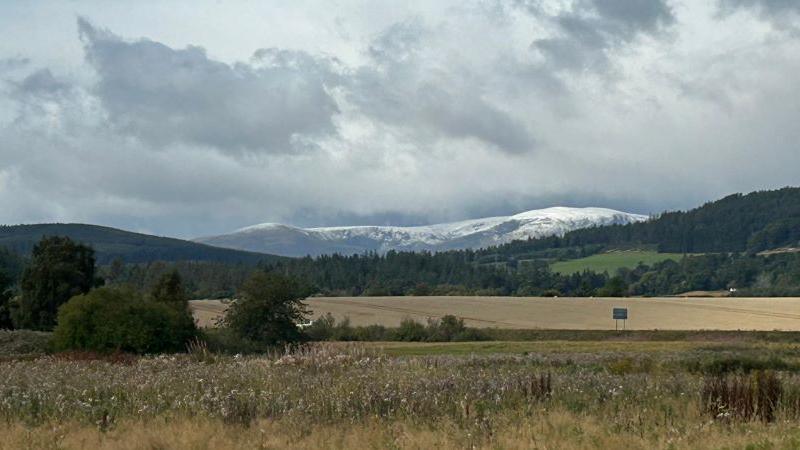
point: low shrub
(737, 364)
(225, 341)
(24, 343)
(410, 331)
(451, 328)
(321, 329)
(448, 328)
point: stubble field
(664, 313)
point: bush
(737, 364)
(321, 329)
(451, 328)
(109, 319)
(448, 328)
(371, 333)
(325, 328)
(411, 331)
(226, 341)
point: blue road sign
(620, 313)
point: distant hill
(111, 243)
(751, 222)
(469, 234)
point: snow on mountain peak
(475, 233)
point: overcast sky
(199, 117)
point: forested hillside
(752, 222)
(110, 244)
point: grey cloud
(271, 103)
(593, 27)
(13, 63)
(399, 43)
(41, 83)
(164, 95)
(766, 6)
(784, 14)
(403, 89)
(425, 106)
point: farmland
(667, 313)
(612, 261)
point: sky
(192, 118)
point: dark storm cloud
(593, 27)
(403, 88)
(164, 95)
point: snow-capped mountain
(286, 240)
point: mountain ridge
(287, 240)
(130, 247)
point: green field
(611, 261)
(541, 347)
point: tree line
(468, 273)
(59, 290)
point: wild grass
(548, 430)
(346, 395)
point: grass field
(665, 313)
(611, 261)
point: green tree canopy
(169, 289)
(268, 310)
(118, 319)
(614, 287)
(59, 270)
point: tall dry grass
(548, 430)
(350, 396)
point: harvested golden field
(666, 313)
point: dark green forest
(457, 273)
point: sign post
(620, 314)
